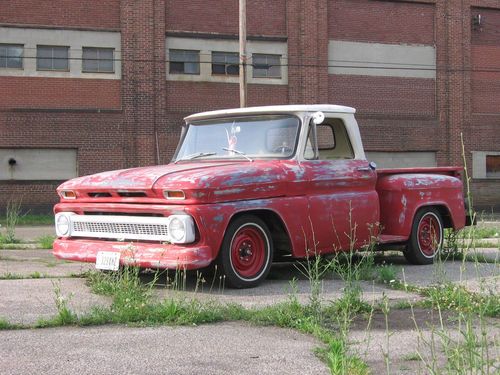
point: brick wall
(190, 97)
(101, 14)
(97, 137)
(483, 134)
(117, 124)
(59, 93)
(384, 95)
(221, 16)
(381, 21)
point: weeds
(4, 325)
(387, 273)
(30, 219)
(13, 213)
(45, 242)
(64, 314)
(457, 298)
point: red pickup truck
(248, 186)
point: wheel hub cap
(248, 251)
(429, 235)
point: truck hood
(201, 182)
(143, 178)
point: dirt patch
(404, 319)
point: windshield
(249, 137)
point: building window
(225, 63)
(266, 66)
(184, 61)
(11, 56)
(98, 60)
(52, 58)
(493, 166)
(486, 165)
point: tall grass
(13, 214)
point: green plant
(386, 352)
(13, 213)
(4, 324)
(411, 357)
(31, 219)
(455, 297)
(64, 314)
(45, 242)
(387, 273)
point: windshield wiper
(237, 152)
(196, 155)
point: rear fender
(402, 195)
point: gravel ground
(253, 350)
(25, 301)
(225, 348)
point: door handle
(370, 167)
(363, 169)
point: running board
(388, 238)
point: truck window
(333, 142)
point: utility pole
(243, 53)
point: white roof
(272, 109)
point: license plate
(107, 260)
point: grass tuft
(45, 242)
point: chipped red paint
(402, 194)
(323, 205)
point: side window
(332, 142)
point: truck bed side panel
(401, 195)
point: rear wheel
(246, 253)
(426, 237)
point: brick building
(88, 86)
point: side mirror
(318, 117)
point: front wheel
(246, 253)
(426, 237)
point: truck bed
(403, 191)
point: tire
(246, 253)
(426, 238)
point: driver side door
(343, 203)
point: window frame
(267, 56)
(8, 56)
(479, 165)
(52, 58)
(98, 60)
(226, 64)
(313, 132)
(184, 61)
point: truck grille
(120, 227)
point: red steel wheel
(246, 253)
(426, 236)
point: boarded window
(493, 166)
(37, 164)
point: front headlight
(63, 224)
(181, 229)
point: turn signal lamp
(174, 194)
(68, 194)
